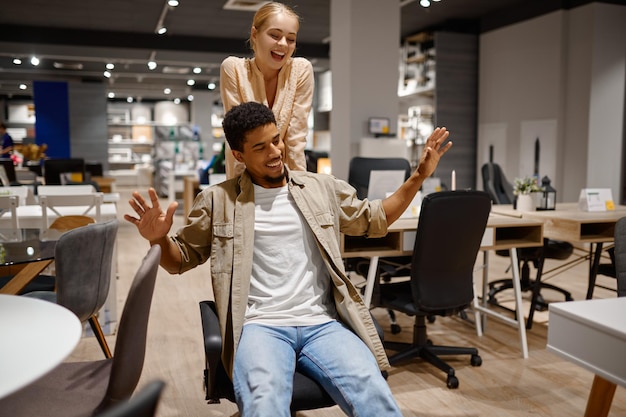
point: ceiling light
(167, 91)
(129, 99)
(424, 3)
(34, 60)
(110, 66)
(161, 30)
(152, 65)
(191, 82)
(190, 97)
(176, 100)
(172, 3)
(17, 61)
(197, 70)
(211, 86)
(23, 87)
(111, 94)
(107, 74)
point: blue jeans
(329, 353)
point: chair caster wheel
(476, 360)
(452, 382)
(395, 329)
(431, 319)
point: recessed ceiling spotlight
(111, 94)
(211, 86)
(129, 99)
(34, 61)
(167, 91)
(152, 65)
(23, 86)
(107, 74)
(197, 70)
(176, 100)
(173, 3)
(424, 3)
(162, 30)
(110, 66)
(17, 61)
(191, 82)
(190, 97)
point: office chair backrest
(84, 259)
(54, 167)
(450, 228)
(360, 168)
(620, 256)
(496, 184)
(130, 347)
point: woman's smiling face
(275, 42)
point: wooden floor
(505, 384)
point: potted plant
(522, 189)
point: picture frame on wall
(378, 126)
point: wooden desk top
(502, 232)
(571, 224)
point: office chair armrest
(212, 349)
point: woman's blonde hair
(259, 21)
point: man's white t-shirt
(289, 285)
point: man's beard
(276, 180)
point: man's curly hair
(243, 118)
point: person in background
(7, 142)
(282, 293)
(272, 77)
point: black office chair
(501, 192)
(307, 394)
(359, 177)
(450, 229)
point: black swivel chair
(449, 232)
(501, 192)
(359, 178)
(307, 394)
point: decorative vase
(525, 202)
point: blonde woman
(274, 78)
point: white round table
(35, 336)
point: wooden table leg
(26, 275)
(600, 398)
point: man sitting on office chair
(282, 294)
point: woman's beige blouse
(241, 81)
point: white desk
(36, 336)
(502, 232)
(592, 334)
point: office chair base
(430, 353)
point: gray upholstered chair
(620, 256)
(84, 261)
(142, 404)
(92, 387)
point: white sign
(596, 199)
